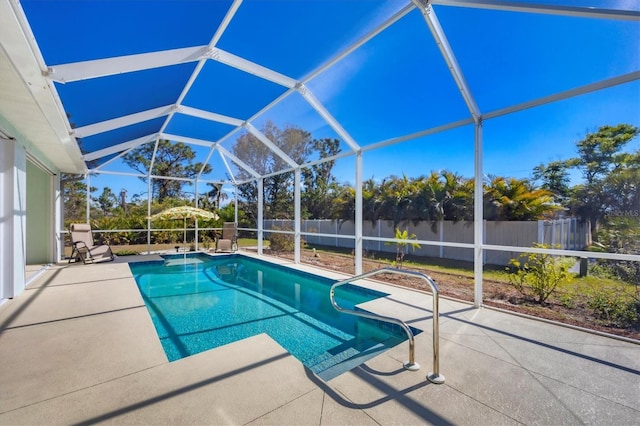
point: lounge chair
(229, 241)
(227, 273)
(84, 248)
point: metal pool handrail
(435, 376)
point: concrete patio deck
(78, 347)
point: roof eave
(30, 101)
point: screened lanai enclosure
(316, 105)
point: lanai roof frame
(202, 54)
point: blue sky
(395, 84)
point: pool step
(347, 356)
(333, 356)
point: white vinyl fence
(569, 234)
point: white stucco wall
(39, 244)
(13, 211)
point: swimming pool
(209, 301)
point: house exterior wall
(39, 233)
(13, 211)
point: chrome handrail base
(437, 379)
(411, 366)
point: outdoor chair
(228, 242)
(84, 248)
(227, 273)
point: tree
(623, 186)
(440, 196)
(278, 188)
(555, 178)
(446, 195)
(171, 160)
(461, 202)
(212, 199)
(320, 186)
(74, 193)
(401, 244)
(345, 202)
(371, 201)
(516, 199)
(397, 199)
(602, 162)
(107, 200)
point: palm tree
(459, 201)
(371, 201)
(516, 199)
(401, 245)
(345, 203)
(445, 196)
(212, 198)
(398, 199)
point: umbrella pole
(184, 242)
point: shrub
(619, 234)
(568, 300)
(624, 270)
(207, 241)
(279, 242)
(614, 307)
(537, 275)
(127, 253)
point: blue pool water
(206, 302)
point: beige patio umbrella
(184, 213)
